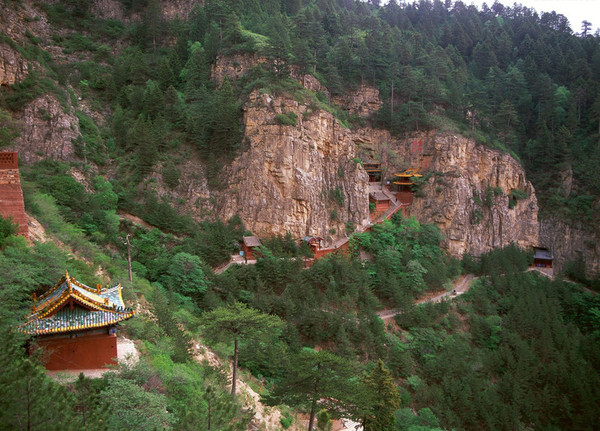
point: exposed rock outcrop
(171, 9)
(469, 192)
(109, 9)
(290, 177)
(362, 102)
(47, 131)
(13, 67)
(300, 179)
(233, 66)
(570, 242)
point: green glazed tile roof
(72, 306)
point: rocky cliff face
(300, 179)
(13, 68)
(47, 128)
(570, 242)
(47, 131)
(114, 9)
(469, 191)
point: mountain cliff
(298, 178)
(479, 197)
(298, 167)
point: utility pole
(129, 258)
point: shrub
(289, 119)
(514, 196)
(7, 228)
(286, 421)
(170, 175)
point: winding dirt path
(461, 285)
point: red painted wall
(84, 352)
(382, 206)
(250, 252)
(405, 197)
(542, 263)
(11, 195)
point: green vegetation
(507, 349)
(286, 119)
(237, 322)
(514, 196)
(517, 351)
(458, 364)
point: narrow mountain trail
(461, 285)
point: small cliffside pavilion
(403, 185)
(75, 325)
(542, 258)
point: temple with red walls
(249, 244)
(374, 171)
(11, 195)
(381, 203)
(542, 258)
(75, 325)
(403, 186)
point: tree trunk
(129, 258)
(392, 100)
(235, 362)
(209, 412)
(311, 421)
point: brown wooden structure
(11, 195)
(374, 171)
(542, 258)
(403, 186)
(382, 203)
(249, 244)
(75, 325)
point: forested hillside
(133, 83)
(506, 76)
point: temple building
(403, 185)
(249, 244)
(542, 258)
(75, 325)
(374, 171)
(380, 201)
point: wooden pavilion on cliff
(75, 325)
(374, 171)
(381, 201)
(403, 185)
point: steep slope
(287, 179)
(300, 179)
(479, 197)
(571, 242)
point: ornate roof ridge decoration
(95, 308)
(410, 172)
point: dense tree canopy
(517, 351)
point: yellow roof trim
(410, 172)
(89, 326)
